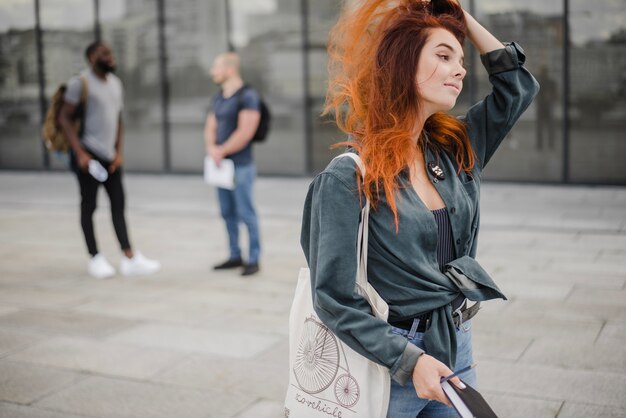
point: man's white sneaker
(138, 265)
(100, 268)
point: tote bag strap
(379, 307)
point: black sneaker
(250, 269)
(229, 264)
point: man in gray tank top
(96, 156)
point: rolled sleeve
(508, 58)
(402, 371)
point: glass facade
(131, 28)
(63, 47)
(597, 99)
(20, 146)
(533, 150)
(573, 132)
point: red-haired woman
(395, 68)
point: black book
(468, 402)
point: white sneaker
(138, 265)
(100, 268)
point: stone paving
(189, 342)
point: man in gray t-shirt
(102, 114)
(96, 156)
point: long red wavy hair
(373, 55)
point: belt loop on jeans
(458, 311)
(413, 330)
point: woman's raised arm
(482, 39)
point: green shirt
(402, 265)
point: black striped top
(445, 245)
(445, 242)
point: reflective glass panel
(20, 115)
(68, 27)
(598, 91)
(533, 150)
(130, 27)
(268, 35)
(196, 34)
(323, 14)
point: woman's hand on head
(427, 376)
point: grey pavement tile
(509, 261)
(534, 290)
(98, 357)
(614, 333)
(609, 242)
(552, 383)
(535, 324)
(39, 297)
(581, 267)
(569, 311)
(616, 257)
(571, 353)
(264, 376)
(486, 346)
(270, 284)
(530, 278)
(496, 219)
(492, 237)
(575, 224)
(12, 340)
(275, 323)
(7, 310)
(583, 410)
(233, 301)
(8, 410)
(229, 343)
(70, 323)
(559, 245)
(105, 397)
(512, 406)
(494, 306)
(62, 280)
(598, 296)
(24, 383)
(159, 310)
(263, 409)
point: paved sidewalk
(189, 342)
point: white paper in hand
(220, 176)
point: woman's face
(440, 72)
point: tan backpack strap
(84, 90)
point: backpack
(52, 131)
(266, 117)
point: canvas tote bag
(326, 377)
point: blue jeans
(238, 206)
(404, 402)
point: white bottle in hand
(97, 171)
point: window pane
(67, 30)
(130, 27)
(196, 34)
(20, 117)
(598, 95)
(268, 36)
(323, 14)
(533, 149)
